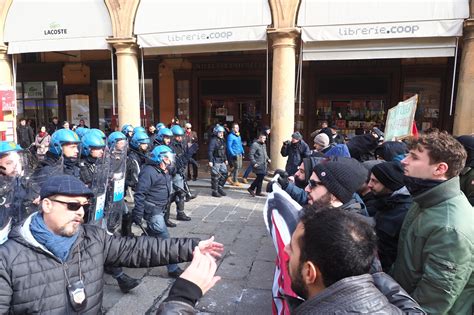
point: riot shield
(99, 188)
(115, 204)
(6, 204)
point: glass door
(77, 109)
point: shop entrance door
(77, 109)
(228, 110)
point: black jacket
(361, 147)
(391, 211)
(51, 166)
(152, 193)
(25, 136)
(366, 294)
(32, 280)
(295, 152)
(217, 150)
(135, 161)
(53, 127)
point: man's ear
(46, 205)
(441, 169)
(310, 273)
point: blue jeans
(156, 225)
(248, 170)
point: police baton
(142, 228)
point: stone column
(5, 67)
(128, 91)
(464, 114)
(283, 91)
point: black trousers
(194, 167)
(257, 183)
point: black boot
(221, 191)
(181, 216)
(126, 224)
(214, 186)
(127, 283)
(167, 217)
(220, 187)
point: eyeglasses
(313, 183)
(74, 206)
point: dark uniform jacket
(217, 150)
(32, 280)
(135, 161)
(50, 166)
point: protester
(190, 139)
(336, 137)
(365, 192)
(42, 141)
(82, 124)
(54, 126)
(321, 143)
(330, 256)
(467, 174)
(259, 160)
(218, 161)
(66, 125)
(53, 252)
(361, 147)
(235, 151)
(296, 150)
(392, 201)
(25, 134)
(391, 151)
(435, 259)
(151, 131)
(248, 170)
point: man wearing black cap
(392, 201)
(334, 183)
(54, 264)
(296, 150)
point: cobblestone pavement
(246, 268)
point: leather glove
(270, 186)
(287, 142)
(283, 180)
(137, 220)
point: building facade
(288, 64)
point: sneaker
(127, 283)
(251, 192)
(245, 181)
(237, 184)
(176, 273)
(230, 181)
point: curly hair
(441, 147)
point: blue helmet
(98, 132)
(61, 137)
(218, 128)
(91, 140)
(115, 137)
(159, 152)
(177, 130)
(159, 126)
(127, 128)
(139, 138)
(81, 131)
(164, 132)
(138, 129)
(8, 146)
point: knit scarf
(60, 246)
(42, 134)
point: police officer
(218, 161)
(152, 195)
(179, 148)
(92, 153)
(65, 143)
(127, 130)
(164, 136)
(139, 144)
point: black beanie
(390, 174)
(342, 177)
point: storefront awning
(57, 25)
(183, 26)
(368, 29)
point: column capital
(284, 37)
(3, 49)
(124, 45)
(468, 30)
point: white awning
(183, 26)
(57, 25)
(366, 29)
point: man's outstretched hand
(210, 247)
(202, 269)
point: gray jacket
(368, 294)
(258, 155)
(32, 279)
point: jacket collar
(442, 192)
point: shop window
(231, 87)
(354, 85)
(183, 92)
(429, 94)
(37, 102)
(104, 99)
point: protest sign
(400, 119)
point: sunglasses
(313, 183)
(74, 206)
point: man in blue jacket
(235, 151)
(152, 195)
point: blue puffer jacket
(152, 193)
(234, 145)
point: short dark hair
(340, 243)
(441, 147)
